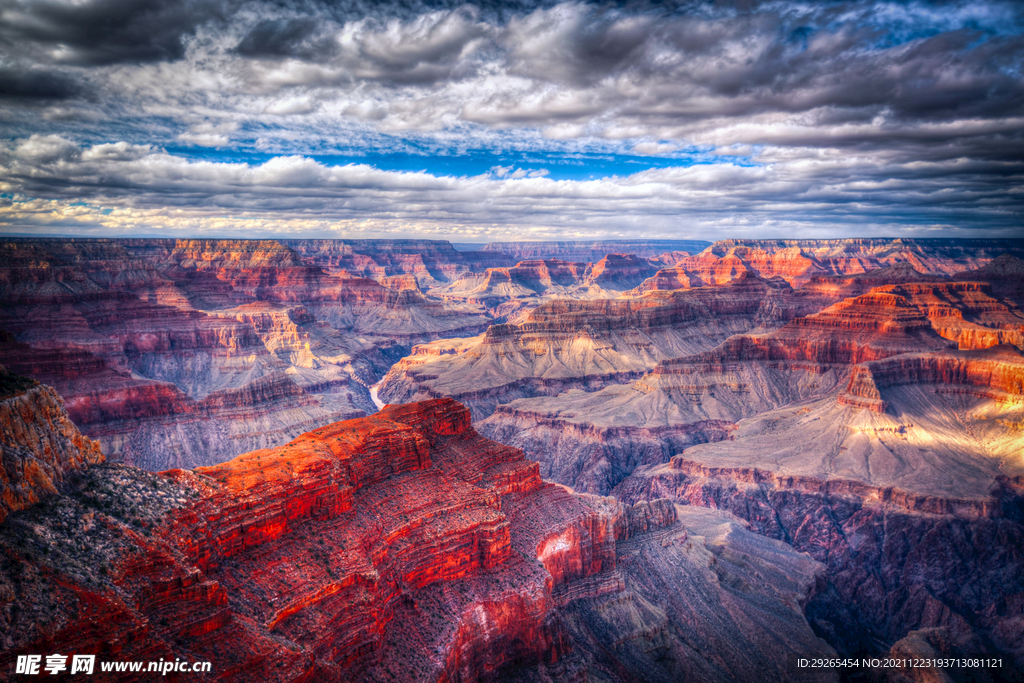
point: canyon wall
(800, 261)
(592, 251)
(899, 565)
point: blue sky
(493, 120)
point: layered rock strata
(817, 371)
(592, 251)
(430, 262)
(902, 567)
(508, 294)
(185, 352)
(397, 547)
(565, 344)
(800, 261)
(1005, 274)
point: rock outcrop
(39, 445)
(401, 546)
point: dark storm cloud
(105, 31)
(285, 38)
(36, 85)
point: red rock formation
(619, 272)
(666, 279)
(304, 560)
(535, 276)
(801, 261)
(400, 546)
(39, 446)
(116, 326)
(965, 312)
(996, 373)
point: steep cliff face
(402, 546)
(1005, 274)
(997, 374)
(808, 372)
(965, 312)
(39, 445)
(901, 567)
(587, 344)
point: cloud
(105, 31)
(36, 84)
(905, 111)
(48, 177)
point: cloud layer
(783, 118)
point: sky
(495, 121)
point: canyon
(398, 460)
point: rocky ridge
(800, 261)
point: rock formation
(401, 546)
(1005, 274)
(814, 366)
(508, 294)
(39, 445)
(430, 262)
(800, 261)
